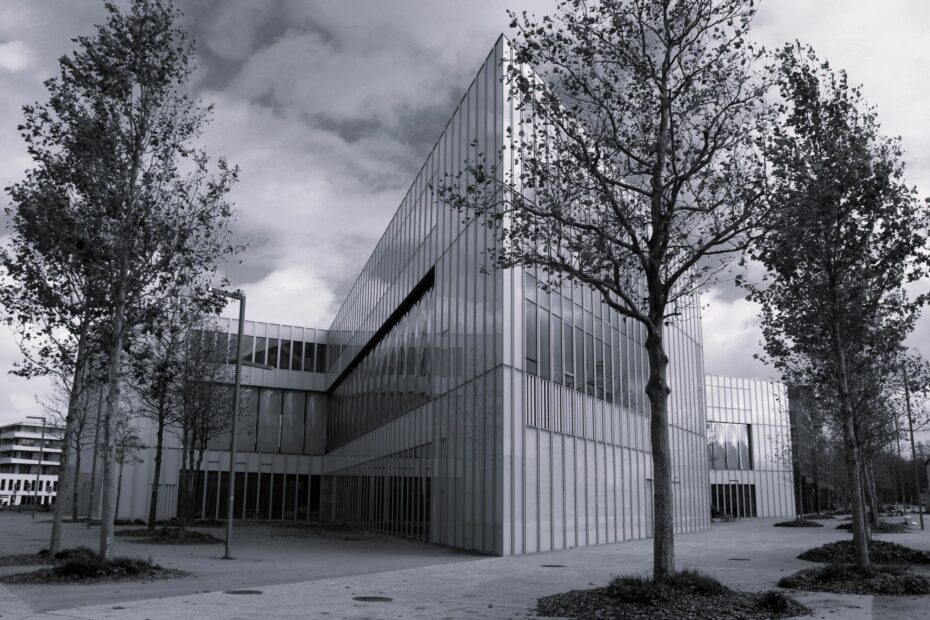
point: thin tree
(128, 443)
(204, 404)
(150, 217)
(634, 169)
(846, 235)
(158, 365)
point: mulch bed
(640, 598)
(82, 565)
(819, 517)
(799, 523)
(884, 527)
(846, 579)
(880, 552)
(25, 559)
(170, 536)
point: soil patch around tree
(847, 579)
(82, 565)
(880, 552)
(170, 536)
(687, 595)
(799, 523)
(819, 517)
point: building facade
(452, 402)
(472, 408)
(749, 448)
(279, 440)
(29, 460)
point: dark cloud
(331, 107)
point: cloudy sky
(330, 108)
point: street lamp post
(235, 415)
(35, 489)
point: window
(260, 350)
(297, 354)
(728, 446)
(530, 338)
(272, 352)
(308, 356)
(321, 358)
(285, 355)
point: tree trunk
(851, 456)
(182, 481)
(65, 477)
(74, 482)
(868, 473)
(119, 492)
(156, 478)
(914, 461)
(108, 490)
(663, 509)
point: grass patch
(880, 552)
(686, 595)
(82, 565)
(847, 579)
(799, 523)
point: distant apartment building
(749, 448)
(24, 455)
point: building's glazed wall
(431, 468)
(579, 459)
(281, 433)
(486, 460)
(763, 406)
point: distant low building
(23, 451)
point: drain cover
(740, 559)
(242, 592)
(553, 565)
(372, 599)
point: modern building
(280, 436)
(29, 455)
(749, 448)
(471, 407)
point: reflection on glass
(260, 350)
(529, 340)
(269, 420)
(292, 422)
(248, 419)
(308, 357)
(272, 359)
(297, 354)
(728, 446)
(285, 355)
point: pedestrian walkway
(749, 554)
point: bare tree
(204, 406)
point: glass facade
(728, 445)
(281, 353)
(473, 408)
(394, 377)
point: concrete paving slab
(749, 555)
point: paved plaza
(300, 572)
